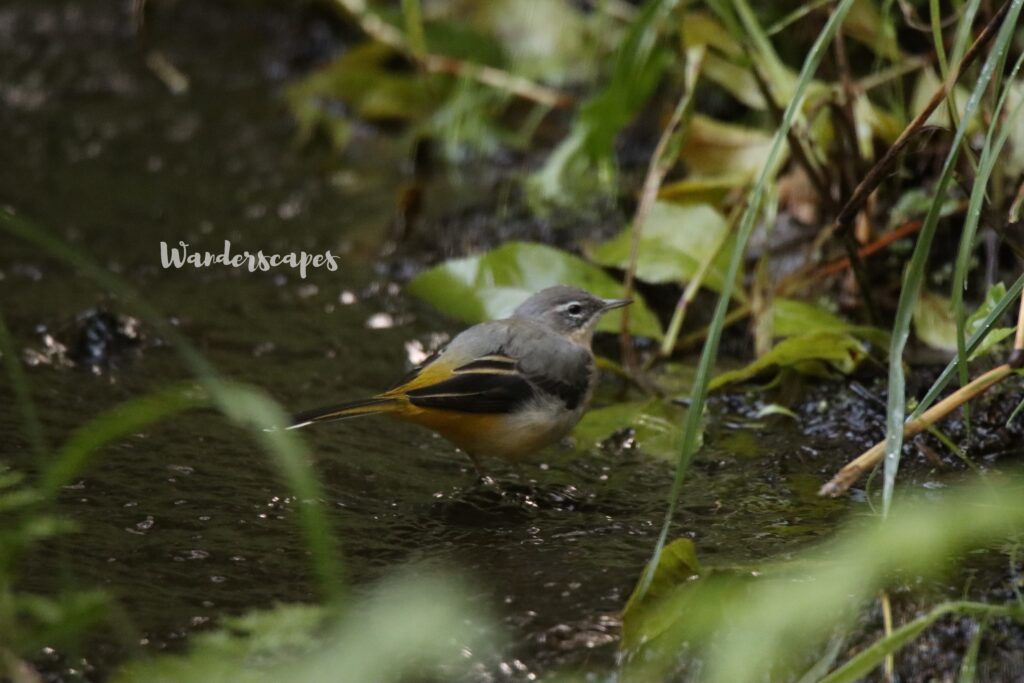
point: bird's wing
(496, 368)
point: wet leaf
(359, 83)
(866, 25)
(736, 79)
(491, 285)
(701, 190)
(792, 318)
(677, 565)
(547, 40)
(676, 240)
(820, 354)
(933, 321)
(701, 28)
(714, 148)
(656, 426)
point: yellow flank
(436, 372)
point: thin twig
(661, 162)
(853, 470)
(888, 667)
(881, 168)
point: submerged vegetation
(832, 191)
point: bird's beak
(609, 304)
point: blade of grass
(241, 405)
(866, 660)
(852, 471)
(413, 14)
(698, 396)
(22, 392)
(129, 417)
(989, 155)
(915, 271)
(997, 312)
(969, 666)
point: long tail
(367, 406)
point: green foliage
(677, 566)
(654, 425)
(409, 626)
(491, 285)
(912, 281)
(677, 240)
(791, 318)
(780, 616)
(934, 323)
(584, 160)
(698, 396)
(819, 354)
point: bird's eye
(574, 309)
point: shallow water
(186, 521)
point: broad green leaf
(677, 565)
(714, 148)
(701, 190)
(933, 321)
(656, 426)
(820, 354)
(549, 40)
(792, 318)
(676, 240)
(491, 285)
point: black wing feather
(475, 393)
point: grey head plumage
(569, 311)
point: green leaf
(866, 25)
(656, 426)
(677, 565)
(547, 40)
(491, 285)
(791, 318)
(676, 240)
(934, 323)
(819, 354)
(714, 148)
(361, 80)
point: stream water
(187, 520)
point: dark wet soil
(186, 521)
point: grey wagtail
(504, 388)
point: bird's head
(568, 311)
